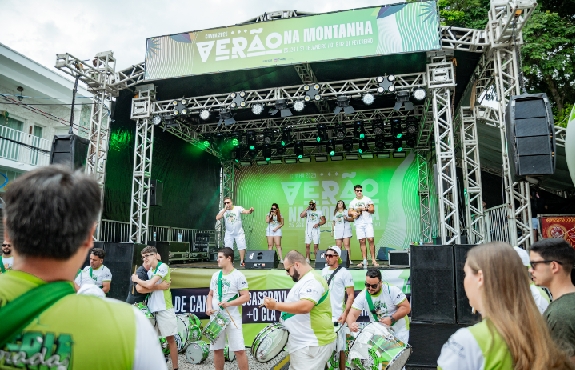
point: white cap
(337, 250)
(91, 289)
(523, 255)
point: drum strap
(220, 289)
(2, 268)
(286, 315)
(370, 304)
(24, 309)
(333, 275)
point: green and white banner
(373, 31)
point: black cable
(26, 145)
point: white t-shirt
(160, 300)
(83, 278)
(304, 331)
(461, 352)
(274, 222)
(340, 224)
(365, 217)
(233, 220)
(8, 262)
(232, 283)
(384, 304)
(337, 285)
(313, 217)
(147, 351)
(99, 275)
(541, 301)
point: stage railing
(496, 228)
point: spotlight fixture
(298, 149)
(180, 107)
(402, 99)
(238, 99)
(419, 94)
(398, 145)
(280, 150)
(20, 90)
(386, 84)
(348, 144)
(281, 105)
(257, 109)
(226, 117)
(251, 141)
(205, 114)
(378, 127)
(267, 152)
(396, 129)
(330, 147)
(368, 99)
(411, 125)
(299, 105)
(359, 130)
(343, 104)
(268, 137)
(339, 131)
(286, 136)
(321, 133)
(363, 147)
(312, 92)
(157, 120)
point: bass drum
(197, 352)
(146, 311)
(269, 342)
(183, 332)
(377, 347)
(195, 328)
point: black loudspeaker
(427, 341)
(261, 260)
(320, 259)
(69, 150)
(399, 258)
(163, 249)
(464, 315)
(530, 135)
(432, 284)
(201, 242)
(156, 190)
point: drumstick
(134, 285)
(225, 308)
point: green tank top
(493, 347)
(66, 335)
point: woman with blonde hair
(275, 223)
(512, 333)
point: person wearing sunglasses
(362, 209)
(97, 271)
(306, 314)
(340, 283)
(275, 223)
(552, 262)
(341, 227)
(6, 259)
(385, 304)
(232, 216)
(314, 219)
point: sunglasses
(372, 286)
(274, 209)
(534, 263)
(330, 255)
(6, 245)
(289, 269)
(227, 202)
(147, 255)
(359, 191)
(312, 204)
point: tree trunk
(554, 93)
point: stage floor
(383, 265)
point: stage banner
(558, 226)
(189, 293)
(373, 31)
(391, 183)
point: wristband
(393, 321)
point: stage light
(402, 99)
(238, 100)
(359, 130)
(368, 99)
(157, 120)
(396, 129)
(378, 127)
(410, 142)
(251, 141)
(347, 144)
(299, 105)
(411, 125)
(235, 141)
(205, 114)
(268, 137)
(398, 145)
(419, 94)
(286, 136)
(343, 104)
(280, 149)
(312, 92)
(226, 117)
(386, 84)
(321, 133)
(281, 105)
(330, 147)
(257, 109)
(321, 158)
(298, 149)
(267, 152)
(363, 147)
(180, 107)
(340, 131)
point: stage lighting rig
(238, 99)
(330, 147)
(368, 99)
(419, 94)
(363, 147)
(402, 99)
(312, 92)
(386, 84)
(339, 131)
(396, 129)
(226, 117)
(257, 109)
(280, 149)
(298, 149)
(411, 125)
(321, 133)
(359, 130)
(267, 152)
(205, 114)
(268, 137)
(348, 144)
(157, 120)
(180, 107)
(286, 136)
(299, 105)
(398, 145)
(378, 127)
(281, 106)
(343, 104)
(251, 141)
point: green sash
(370, 304)
(220, 289)
(24, 309)
(286, 315)
(2, 268)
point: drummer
(340, 282)
(384, 303)
(228, 291)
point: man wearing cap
(340, 282)
(315, 219)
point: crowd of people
(50, 216)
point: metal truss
(506, 20)
(425, 133)
(471, 176)
(278, 14)
(307, 76)
(464, 39)
(226, 190)
(423, 158)
(129, 76)
(143, 146)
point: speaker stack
(69, 150)
(261, 260)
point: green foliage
(562, 118)
(464, 13)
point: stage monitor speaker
(261, 260)
(320, 259)
(399, 258)
(201, 242)
(464, 315)
(427, 341)
(432, 284)
(70, 150)
(530, 135)
(156, 191)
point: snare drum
(195, 328)
(197, 352)
(229, 356)
(376, 347)
(183, 332)
(164, 345)
(146, 311)
(213, 330)
(269, 342)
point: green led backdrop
(391, 183)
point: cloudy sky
(39, 29)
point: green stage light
(284, 143)
(318, 139)
(362, 136)
(360, 151)
(332, 153)
(400, 149)
(235, 142)
(300, 156)
(399, 136)
(252, 147)
(268, 159)
(206, 143)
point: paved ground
(208, 364)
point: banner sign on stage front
(558, 226)
(373, 31)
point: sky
(40, 29)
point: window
(37, 131)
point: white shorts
(234, 338)
(342, 232)
(314, 357)
(166, 323)
(270, 231)
(340, 342)
(239, 238)
(312, 236)
(364, 231)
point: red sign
(559, 227)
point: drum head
(229, 356)
(183, 332)
(377, 347)
(195, 333)
(194, 320)
(197, 352)
(269, 342)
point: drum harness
(2, 268)
(372, 309)
(284, 316)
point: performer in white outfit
(275, 223)
(341, 230)
(234, 230)
(314, 219)
(362, 209)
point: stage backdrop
(392, 184)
